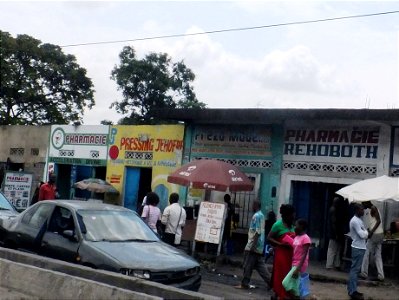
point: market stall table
(390, 255)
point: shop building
(320, 157)
(312, 153)
(253, 144)
(77, 153)
(256, 150)
(24, 148)
(139, 160)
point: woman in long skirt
(281, 237)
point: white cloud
(335, 64)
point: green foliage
(150, 84)
(40, 84)
(106, 122)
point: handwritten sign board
(232, 140)
(17, 188)
(210, 222)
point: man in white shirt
(174, 218)
(359, 234)
(372, 220)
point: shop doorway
(137, 185)
(63, 180)
(67, 175)
(312, 201)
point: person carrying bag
(151, 213)
(174, 218)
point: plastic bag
(290, 284)
(304, 285)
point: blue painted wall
(270, 177)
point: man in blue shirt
(253, 257)
(359, 234)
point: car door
(61, 239)
(33, 224)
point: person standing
(174, 218)
(271, 219)
(151, 212)
(253, 256)
(336, 231)
(227, 222)
(48, 190)
(35, 197)
(359, 234)
(281, 236)
(373, 223)
(300, 259)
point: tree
(106, 122)
(40, 84)
(151, 83)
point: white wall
(381, 162)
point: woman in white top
(151, 213)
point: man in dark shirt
(336, 232)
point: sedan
(7, 212)
(101, 236)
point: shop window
(34, 151)
(40, 215)
(17, 151)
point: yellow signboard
(158, 147)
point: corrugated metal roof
(268, 116)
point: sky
(339, 64)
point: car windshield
(114, 226)
(4, 204)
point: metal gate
(243, 201)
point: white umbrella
(376, 189)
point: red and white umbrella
(211, 174)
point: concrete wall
(99, 276)
(28, 138)
(46, 284)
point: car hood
(152, 256)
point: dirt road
(222, 285)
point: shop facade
(254, 149)
(139, 160)
(23, 150)
(320, 157)
(392, 209)
(76, 153)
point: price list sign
(17, 187)
(210, 222)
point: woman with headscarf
(281, 236)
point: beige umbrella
(96, 185)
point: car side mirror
(70, 235)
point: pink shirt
(299, 244)
(152, 215)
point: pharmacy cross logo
(58, 138)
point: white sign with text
(210, 222)
(17, 188)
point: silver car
(101, 236)
(7, 212)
